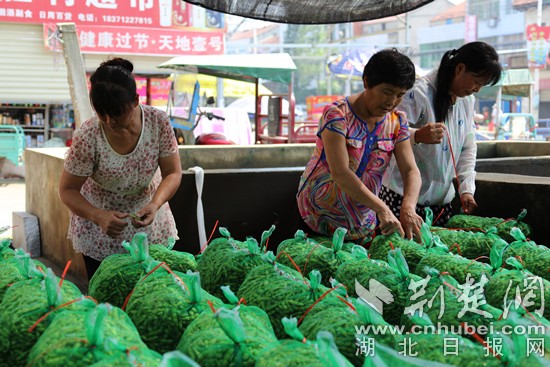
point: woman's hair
(480, 59)
(113, 90)
(389, 66)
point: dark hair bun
(119, 61)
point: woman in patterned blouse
(357, 137)
(121, 170)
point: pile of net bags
(300, 351)
(281, 292)
(18, 267)
(226, 261)
(163, 304)
(28, 307)
(177, 260)
(118, 273)
(228, 337)
(308, 254)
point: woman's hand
(145, 216)
(112, 223)
(431, 133)
(389, 223)
(411, 223)
(469, 203)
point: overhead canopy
(246, 67)
(312, 11)
(514, 82)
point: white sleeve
(467, 159)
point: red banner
(146, 41)
(131, 13)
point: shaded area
(312, 11)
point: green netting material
(5, 250)
(17, 268)
(24, 304)
(81, 338)
(503, 226)
(309, 255)
(228, 263)
(176, 260)
(442, 302)
(293, 293)
(226, 338)
(342, 322)
(412, 251)
(163, 304)
(118, 274)
(506, 285)
(535, 258)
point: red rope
(455, 169)
(64, 273)
(438, 216)
(43, 317)
(316, 301)
(209, 238)
(309, 255)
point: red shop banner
(128, 13)
(146, 41)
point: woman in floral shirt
(356, 139)
(121, 169)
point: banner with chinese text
(145, 41)
(127, 13)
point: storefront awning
(245, 67)
(312, 11)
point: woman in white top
(440, 112)
(121, 169)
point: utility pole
(535, 93)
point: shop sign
(146, 41)
(316, 104)
(538, 45)
(131, 13)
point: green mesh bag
(347, 326)
(176, 358)
(17, 268)
(535, 258)
(5, 250)
(503, 226)
(31, 305)
(176, 260)
(506, 285)
(281, 292)
(441, 302)
(457, 266)
(300, 352)
(82, 338)
(514, 351)
(228, 263)
(225, 338)
(309, 255)
(412, 251)
(327, 242)
(388, 357)
(520, 319)
(363, 270)
(163, 304)
(431, 345)
(260, 315)
(118, 273)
